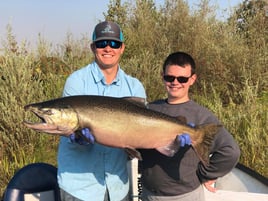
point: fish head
(58, 119)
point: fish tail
(202, 145)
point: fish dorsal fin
(137, 101)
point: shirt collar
(99, 77)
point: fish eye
(48, 112)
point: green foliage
(18, 145)
(27, 77)
(247, 14)
(231, 67)
(246, 122)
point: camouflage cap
(107, 30)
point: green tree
(251, 22)
(251, 14)
(116, 12)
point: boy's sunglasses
(104, 43)
(181, 79)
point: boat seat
(33, 182)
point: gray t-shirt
(183, 173)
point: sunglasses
(180, 79)
(104, 43)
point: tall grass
(19, 86)
(246, 122)
(27, 77)
(232, 75)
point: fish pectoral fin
(133, 153)
(169, 150)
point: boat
(241, 184)
(243, 179)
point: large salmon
(118, 122)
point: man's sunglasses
(104, 43)
(180, 79)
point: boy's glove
(184, 139)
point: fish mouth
(41, 119)
(46, 123)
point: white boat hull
(241, 184)
(243, 179)
(222, 195)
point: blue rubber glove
(84, 137)
(184, 139)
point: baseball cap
(107, 30)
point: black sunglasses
(181, 79)
(104, 43)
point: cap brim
(107, 38)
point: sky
(53, 19)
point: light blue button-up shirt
(86, 171)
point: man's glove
(82, 137)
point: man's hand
(82, 137)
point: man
(180, 177)
(96, 172)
